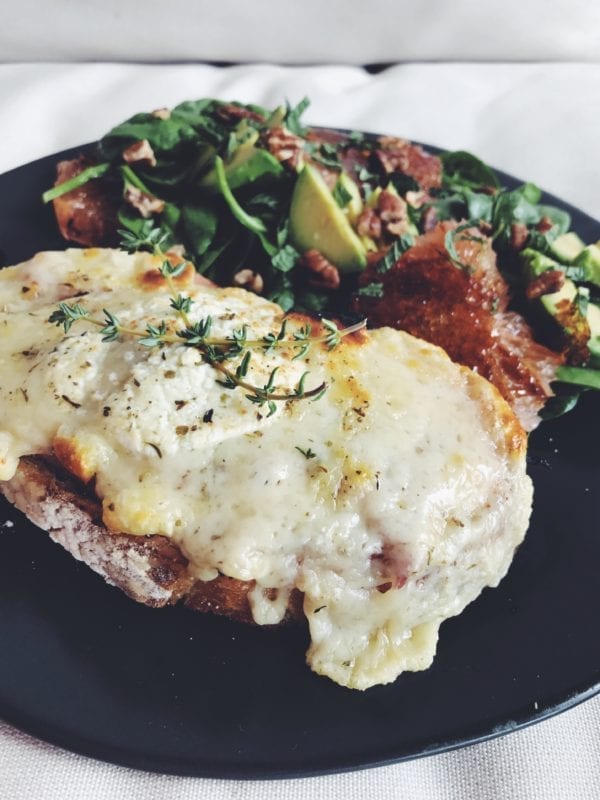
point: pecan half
(250, 280)
(145, 203)
(430, 219)
(140, 153)
(369, 224)
(550, 281)
(393, 142)
(518, 235)
(416, 199)
(285, 146)
(544, 225)
(325, 274)
(393, 213)
(229, 111)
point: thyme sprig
(217, 351)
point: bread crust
(149, 569)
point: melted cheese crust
(415, 499)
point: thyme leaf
(371, 290)
(308, 453)
(66, 315)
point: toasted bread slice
(149, 569)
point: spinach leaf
(200, 225)
(194, 112)
(323, 153)
(516, 206)
(282, 293)
(95, 171)
(170, 216)
(168, 173)
(164, 135)
(249, 221)
(462, 168)
(312, 300)
(479, 205)
(130, 220)
(449, 205)
(292, 117)
(452, 236)
(285, 259)
(202, 117)
(560, 219)
(403, 183)
(579, 376)
(371, 290)
(260, 165)
(207, 264)
(400, 246)
(530, 192)
(341, 195)
(561, 403)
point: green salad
(255, 197)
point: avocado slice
(560, 305)
(567, 247)
(556, 302)
(317, 222)
(589, 260)
(535, 263)
(564, 306)
(593, 318)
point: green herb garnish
(307, 453)
(215, 351)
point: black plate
(173, 691)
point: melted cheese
(415, 499)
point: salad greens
(218, 179)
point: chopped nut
(393, 142)
(145, 203)
(393, 213)
(430, 219)
(247, 279)
(140, 153)
(229, 111)
(550, 281)
(161, 113)
(325, 274)
(394, 160)
(369, 224)
(544, 225)
(518, 235)
(285, 146)
(416, 199)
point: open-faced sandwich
(186, 443)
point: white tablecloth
(311, 31)
(538, 121)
